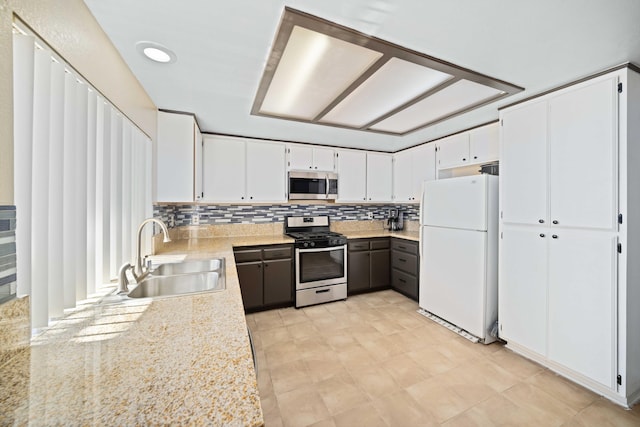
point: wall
(180, 215)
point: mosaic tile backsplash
(180, 215)
(7, 253)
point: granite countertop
(177, 360)
(367, 234)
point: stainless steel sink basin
(187, 267)
(162, 286)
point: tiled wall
(179, 215)
(7, 252)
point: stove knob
(334, 241)
(312, 244)
(306, 244)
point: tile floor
(373, 361)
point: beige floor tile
(302, 407)
(342, 341)
(603, 413)
(387, 326)
(302, 330)
(323, 366)
(289, 376)
(364, 415)
(431, 360)
(543, 407)
(400, 409)
(382, 348)
(365, 332)
(292, 316)
(469, 418)
(316, 311)
(575, 396)
(324, 423)
(436, 398)
(374, 381)
(340, 393)
(282, 354)
(270, 410)
(271, 337)
(404, 370)
(356, 357)
(515, 364)
(265, 386)
(405, 341)
(312, 345)
(497, 410)
(484, 372)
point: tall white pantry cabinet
(569, 289)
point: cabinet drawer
(405, 246)
(277, 253)
(380, 244)
(404, 283)
(248, 255)
(405, 262)
(358, 245)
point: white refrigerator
(459, 252)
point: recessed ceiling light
(156, 52)
(323, 73)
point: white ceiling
(222, 48)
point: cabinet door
(484, 144)
(523, 164)
(402, 176)
(223, 174)
(250, 278)
(266, 172)
(522, 308)
(278, 283)
(324, 159)
(379, 177)
(423, 168)
(379, 271)
(197, 158)
(300, 157)
(453, 151)
(358, 273)
(352, 176)
(583, 153)
(582, 314)
(174, 158)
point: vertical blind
(82, 182)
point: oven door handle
(330, 248)
(326, 186)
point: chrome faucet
(140, 271)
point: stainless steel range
(321, 260)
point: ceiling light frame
(292, 18)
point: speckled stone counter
(368, 234)
(181, 360)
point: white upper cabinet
(239, 170)
(484, 144)
(266, 174)
(306, 157)
(379, 177)
(524, 162)
(583, 156)
(477, 146)
(352, 176)
(178, 178)
(410, 169)
(453, 151)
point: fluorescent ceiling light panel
(460, 96)
(313, 71)
(394, 84)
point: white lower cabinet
(523, 287)
(242, 170)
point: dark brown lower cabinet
(405, 267)
(265, 274)
(367, 265)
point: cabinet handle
(323, 291)
(555, 221)
(242, 197)
(402, 281)
(555, 236)
(402, 260)
(541, 221)
(259, 265)
(310, 167)
(464, 159)
(541, 234)
(475, 157)
(251, 197)
(316, 167)
(266, 265)
(402, 247)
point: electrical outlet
(195, 219)
(370, 215)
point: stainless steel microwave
(313, 185)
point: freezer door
(453, 277)
(456, 202)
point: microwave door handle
(326, 187)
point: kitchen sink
(180, 284)
(186, 267)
